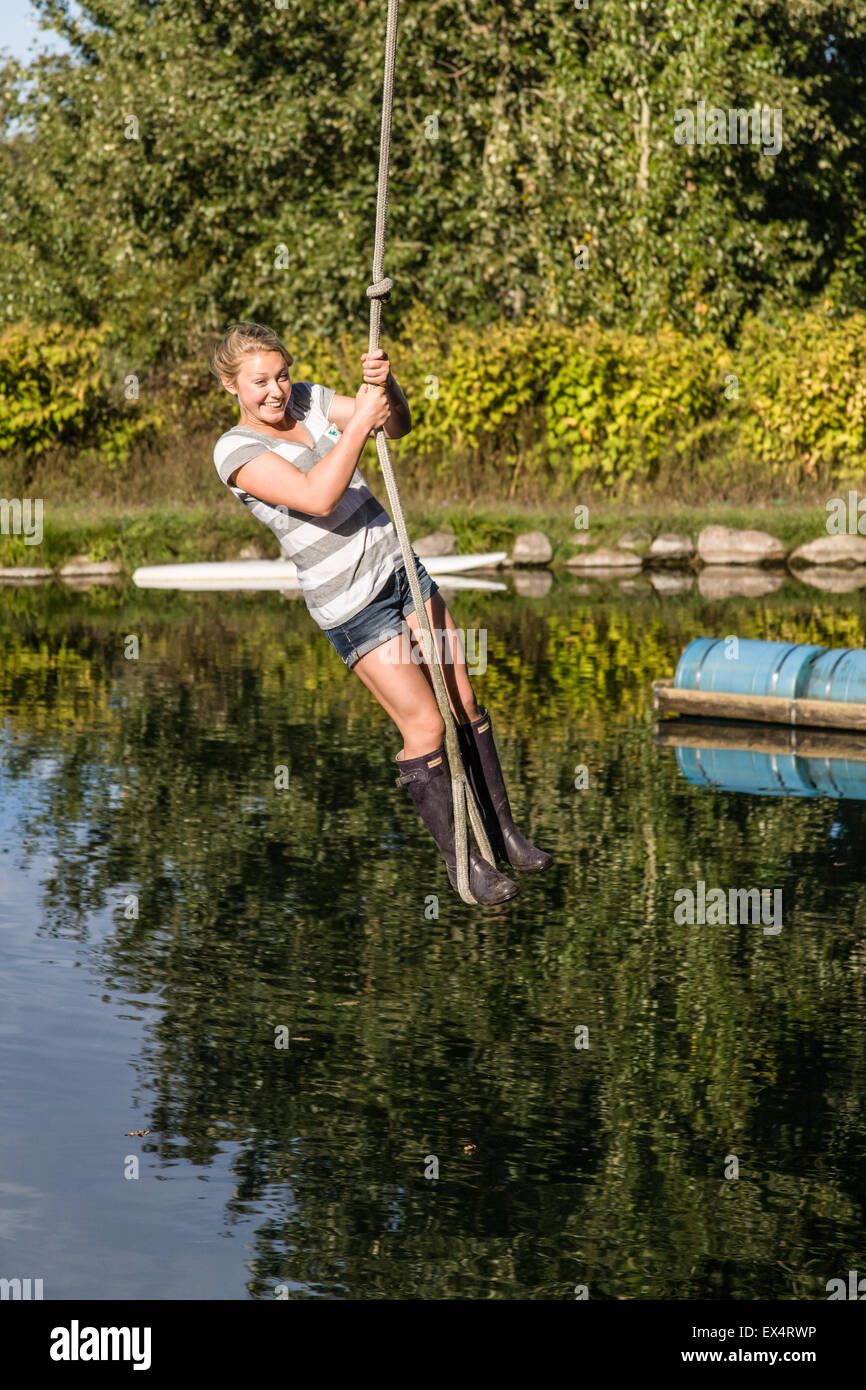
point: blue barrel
(838, 675)
(758, 668)
(773, 774)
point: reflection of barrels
(842, 779)
(734, 770)
(741, 666)
(773, 774)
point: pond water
(586, 1073)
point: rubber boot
(429, 781)
(485, 776)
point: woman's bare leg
(461, 696)
(398, 676)
(405, 695)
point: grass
(218, 529)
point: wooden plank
(761, 738)
(826, 713)
(832, 714)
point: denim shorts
(383, 616)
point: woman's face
(263, 386)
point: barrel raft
(773, 682)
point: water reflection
(740, 757)
(147, 844)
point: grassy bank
(174, 533)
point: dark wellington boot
(429, 782)
(485, 776)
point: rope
(379, 292)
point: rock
(726, 545)
(86, 581)
(607, 574)
(604, 559)
(81, 565)
(582, 538)
(532, 583)
(833, 580)
(634, 586)
(442, 542)
(831, 550)
(253, 552)
(729, 581)
(671, 583)
(632, 539)
(671, 549)
(25, 572)
(531, 548)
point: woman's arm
(376, 373)
(399, 422)
(276, 480)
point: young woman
(293, 460)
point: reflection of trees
(306, 908)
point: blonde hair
(242, 340)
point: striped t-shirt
(342, 559)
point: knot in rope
(381, 290)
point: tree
(192, 163)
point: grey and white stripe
(343, 559)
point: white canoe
(281, 574)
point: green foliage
(806, 392)
(618, 401)
(532, 405)
(56, 389)
(152, 176)
(610, 408)
(51, 382)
